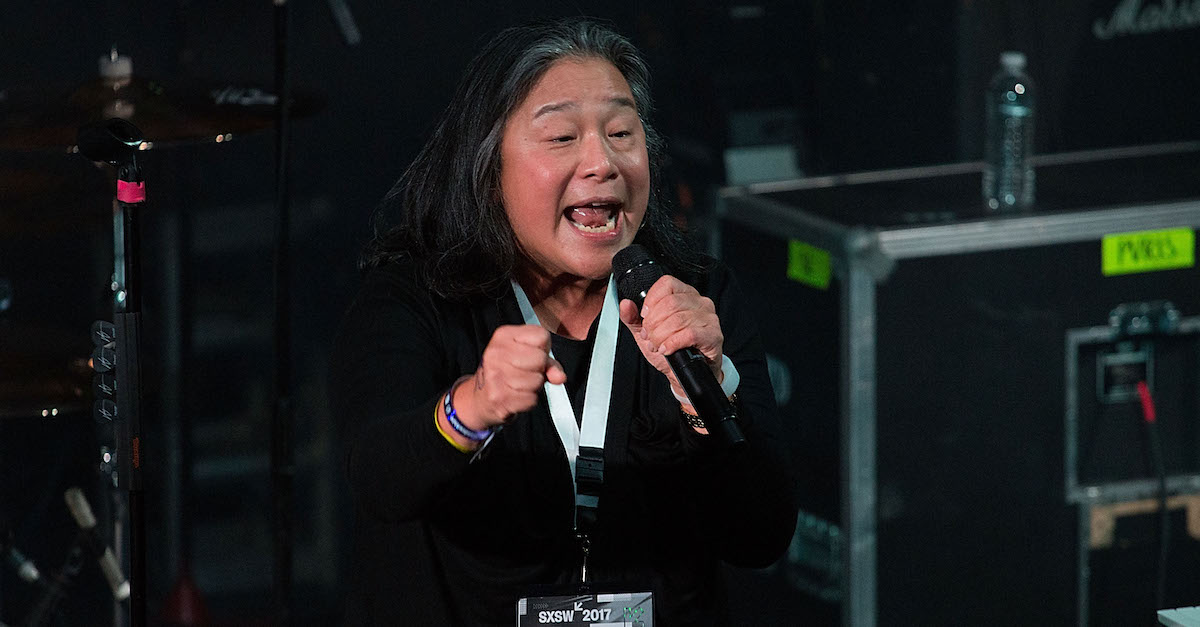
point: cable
(1157, 459)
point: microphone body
(708, 399)
(636, 273)
(81, 511)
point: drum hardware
(124, 115)
(41, 118)
(110, 114)
(118, 142)
(54, 589)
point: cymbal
(50, 117)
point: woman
(465, 363)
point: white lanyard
(591, 431)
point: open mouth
(594, 217)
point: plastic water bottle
(1008, 176)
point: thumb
(629, 313)
(554, 371)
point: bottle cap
(1012, 60)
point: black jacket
(444, 540)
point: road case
(959, 388)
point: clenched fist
(515, 364)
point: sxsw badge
(629, 609)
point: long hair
(446, 214)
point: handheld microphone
(635, 273)
(82, 513)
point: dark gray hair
(446, 213)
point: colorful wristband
(455, 423)
(438, 424)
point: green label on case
(808, 264)
(1147, 251)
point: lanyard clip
(585, 545)
(589, 470)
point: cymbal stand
(117, 142)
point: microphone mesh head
(635, 273)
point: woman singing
(510, 426)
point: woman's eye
(562, 139)
(621, 134)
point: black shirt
(447, 538)
(575, 356)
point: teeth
(608, 226)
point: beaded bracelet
(696, 422)
(691, 420)
(455, 423)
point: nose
(597, 159)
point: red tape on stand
(131, 193)
(1148, 413)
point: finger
(554, 372)
(705, 325)
(520, 381)
(504, 357)
(531, 335)
(671, 304)
(525, 358)
(629, 314)
(687, 338)
(633, 321)
(657, 331)
(675, 341)
(520, 402)
(693, 312)
(663, 288)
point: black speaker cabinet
(961, 390)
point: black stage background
(843, 86)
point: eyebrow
(554, 107)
